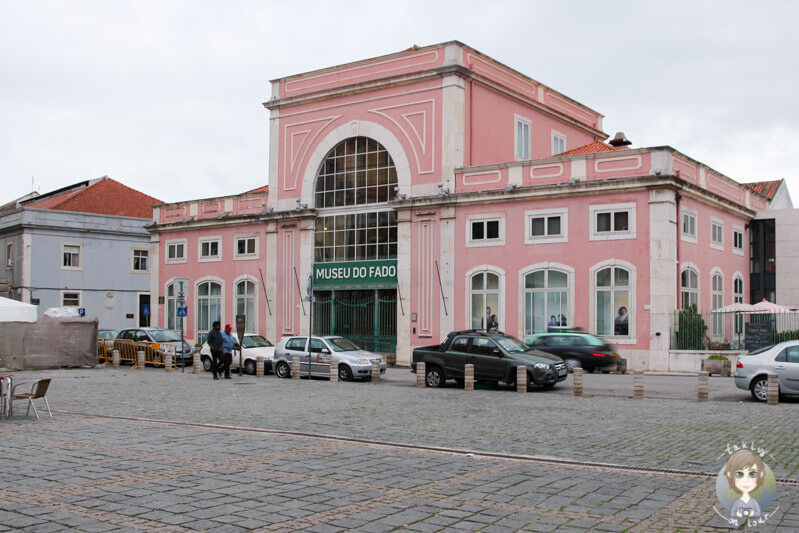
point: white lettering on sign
(357, 272)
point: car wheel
(759, 388)
(207, 364)
(571, 364)
(249, 367)
(434, 377)
(282, 369)
(344, 373)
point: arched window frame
(171, 320)
(500, 312)
(689, 295)
(529, 269)
(252, 321)
(202, 329)
(716, 302)
(738, 291)
(632, 319)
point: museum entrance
(366, 317)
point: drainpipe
(677, 198)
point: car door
(457, 357)
(295, 347)
(320, 357)
(489, 364)
(787, 367)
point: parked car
(581, 350)
(161, 336)
(495, 357)
(107, 333)
(751, 372)
(352, 361)
(251, 347)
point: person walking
(215, 343)
(228, 342)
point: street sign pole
(180, 304)
(310, 299)
(241, 326)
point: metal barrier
(105, 347)
(153, 352)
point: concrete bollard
(375, 372)
(168, 362)
(468, 377)
(638, 385)
(295, 368)
(521, 379)
(703, 394)
(197, 364)
(259, 366)
(115, 358)
(140, 359)
(420, 374)
(773, 393)
(578, 381)
(333, 370)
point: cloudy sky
(165, 96)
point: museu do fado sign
(355, 275)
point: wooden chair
(38, 390)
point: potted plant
(717, 364)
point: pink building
(437, 189)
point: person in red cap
(228, 341)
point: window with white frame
(558, 143)
(209, 249)
(209, 307)
(738, 241)
(141, 259)
(70, 298)
(546, 225)
(9, 255)
(522, 138)
(738, 297)
(612, 221)
(485, 230)
(689, 288)
(70, 254)
(484, 300)
(176, 251)
(246, 300)
(246, 246)
(716, 302)
(717, 234)
(173, 301)
(613, 296)
(689, 226)
(546, 300)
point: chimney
(619, 140)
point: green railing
(694, 330)
(371, 323)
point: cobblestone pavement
(195, 454)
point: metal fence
(371, 323)
(693, 330)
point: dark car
(161, 336)
(576, 349)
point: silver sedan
(320, 352)
(751, 372)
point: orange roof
(590, 148)
(104, 196)
(766, 188)
(265, 188)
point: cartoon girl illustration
(745, 472)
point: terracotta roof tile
(104, 196)
(265, 188)
(590, 148)
(766, 188)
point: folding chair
(38, 390)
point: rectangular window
(209, 249)
(140, 260)
(689, 225)
(738, 241)
(546, 226)
(246, 247)
(612, 221)
(9, 255)
(356, 237)
(717, 234)
(71, 256)
(558, 143)
(522, 139)
(70, 299)
(175, 252)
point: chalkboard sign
(758, 335)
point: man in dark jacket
(215, 343)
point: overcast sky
(165, 96)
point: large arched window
(738, 297)
(546, 300)
(717, 301)
(612, 285)
(689, 288)
(173, 300)
(209, 307)
(484, 300)
(356, 171)
(246, 299)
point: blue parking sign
(145, 309)
(182, 311)
(81, 311)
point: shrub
(786, 336)
(718, 357)
(691, 329)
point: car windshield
(107, 334)
(164, 335)
(590, 340)
(761, 350)
(255, 341)
(511, 344)
(340, 344)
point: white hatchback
(252, 346)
